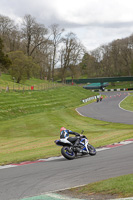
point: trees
(45, 46)
(22, 66)
(33, 34)
(9, 33)
(4, 60)
(127, 55)
(36, 44)
(49, 48)
(56, 33)
(115, 58)
(89, 65)
(71, 53)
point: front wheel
(92, 150)
(68, 153)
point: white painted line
(57, 196)
(79, 113)
(7, 166)
(51, 158)
(123, 108)
(102, 149)
(126, 142)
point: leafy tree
(84, 61)
(5, 62)
(22, 67)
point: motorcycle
(69, 151)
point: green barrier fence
(99, 80)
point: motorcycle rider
(64, 133)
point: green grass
(121, 85)
(30, 122)
(120, 186)
(15, 104)
(127, 104)
(6, 80)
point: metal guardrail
(111, 90)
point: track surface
(34, 179)
(108, 109)
(38, 178)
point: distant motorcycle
(69, 151)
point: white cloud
(94, 21)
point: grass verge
(127, 104)
(118, 187)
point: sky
(95, 22)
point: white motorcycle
(69, 151)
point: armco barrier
(90, 98)
(111, 90)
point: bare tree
(71, 53)
(56, 37)
(44, 59)
(6, 26)
(33, 33)
(127, 55)
(10, 34)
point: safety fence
(90, 98)
(111, 90)
(100, 80)
(21, 87)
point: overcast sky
(95, 22)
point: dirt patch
(73, 194)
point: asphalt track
(35, 179)
(39, 178)
(108, 109)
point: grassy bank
(118, 187)
(30, 122)
(39, 85)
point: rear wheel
(92, 150)
(68, 153)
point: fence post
(7, 89)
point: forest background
(31, 49)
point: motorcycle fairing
(63, 142)
(84, 142)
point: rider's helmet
(64, 133)
(62, 129)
